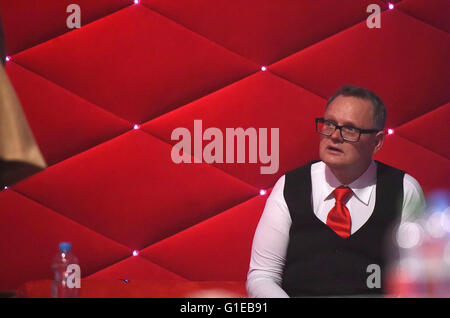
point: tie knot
(341, 193)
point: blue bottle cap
(65, 246)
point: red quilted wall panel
(160, 65)
(30, 22)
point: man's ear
(379, 140)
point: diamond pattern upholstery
(111, 189)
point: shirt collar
(361, 187)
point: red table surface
(92, 288)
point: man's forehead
(349, 109)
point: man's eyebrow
(346, 123)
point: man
(325, 223)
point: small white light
(8, 58)
(135, 253)
(391, 6)
(263, 68)
(434, 225)
(445, 220)
(5, 188)
(136, 1)
(409, 235)
(390, 131)
(136, 126)
(262, 192)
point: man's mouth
(334, 149)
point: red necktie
(339, 219)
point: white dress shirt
(272, 234)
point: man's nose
(336, 136)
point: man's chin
(334, 161)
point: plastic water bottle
(67, 282)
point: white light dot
(8, 58)
(5, 188)
(263, 68)
(262, 192)
(434, 225)
(136, 126)
(136, 1)
(135, 253)
(445, 220)
(390, 131)
(391, 6)
(409, 235)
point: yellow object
(17, 142)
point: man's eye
(329, 124)
(350, 129)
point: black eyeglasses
(348, 133)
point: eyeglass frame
(336, 126)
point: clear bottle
(67, 279)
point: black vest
(321, 263)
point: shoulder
(414, 203)
(385, 169)
(412, 190)
(411, 184)
(278, 188)
(276, 213)
(306, 170)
